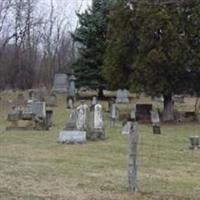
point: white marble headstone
(82, 115)
(98, 117)
(155, 119)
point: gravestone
(143, 112)
(60, 84)
(72, 87)
(93, 103)
(38, 109)
(122, 96)
(71, 133)
(72, 136)
(119, 97)
(133, 114)
(125, 95)
(34, 113)
(70, 103)
(82, 116)
(114, 113)
(51, 100)
(98, 122)
(155, 119)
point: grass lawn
(33, 166)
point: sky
(67, 8)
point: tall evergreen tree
(90, 38)
(160, 54)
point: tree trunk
(100, 93)
(168, 112)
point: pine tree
(161, 52)
(90, 38)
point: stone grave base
(72, 137)
(96, 134)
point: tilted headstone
(60, 83)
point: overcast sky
(67, 8)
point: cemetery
(99, 100)
(167, 163)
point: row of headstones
(83, 124)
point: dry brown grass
(33, 166)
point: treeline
(150, 46)
(34, 44)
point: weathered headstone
(119, 96)
(93, 103)
(39, 109)
(51, 100)
(82, 116)
(155, 119)
(70, 103)
(114, 113)
(60, 83)
(122, 96)
(34, 113)
(125, 95)
(71, 133)
(72, 87)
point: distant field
(33, 166)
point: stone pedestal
(72, 136)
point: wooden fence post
(133, 157)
